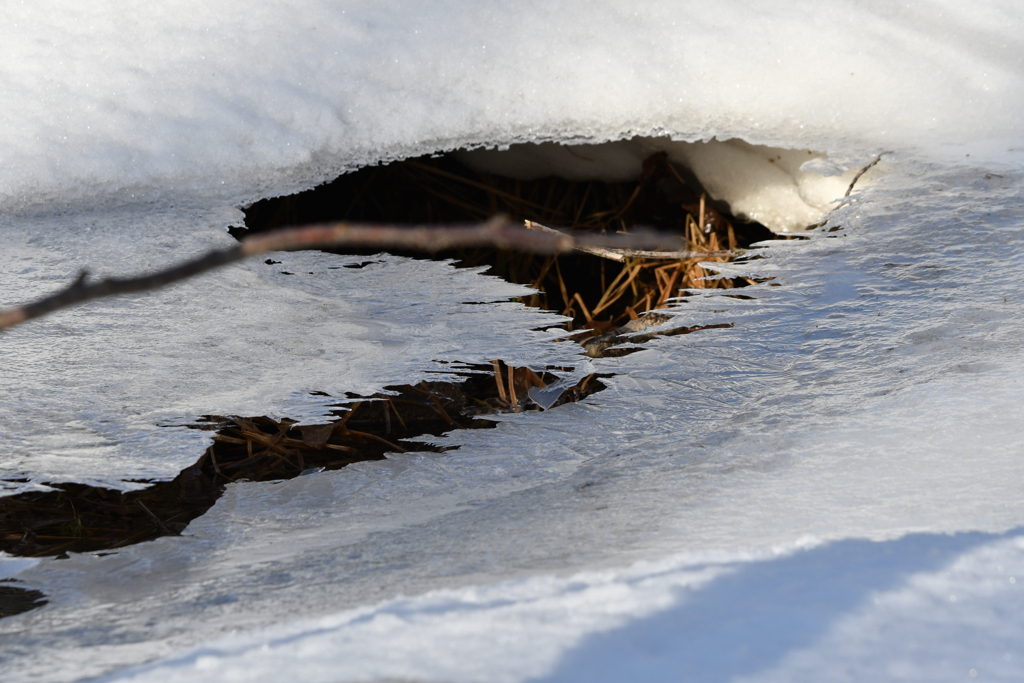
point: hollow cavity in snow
(786, 190)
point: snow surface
(829, 490)
(113, 100)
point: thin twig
(583, 308)
(394, 409)
(621, 254)
(498, 381)
(512, 389)
(156, 520)
(862, 172)
(499, 232)
(436, 401)
(703, 217)
(534, 378)
(387, 443)
(213, 459)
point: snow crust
(651, 622)
(801, 496)
(111, 101)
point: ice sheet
(875, 394)
(104, 394)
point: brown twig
(622, 253)
(512, 399)
(437, 403)
(498, 381)
(499, 232)
(367, 435)
(703, 216)
(156, 520)
(862, 172)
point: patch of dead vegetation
(599, 294)
(82, 518)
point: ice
(799, 496)
(105, 394)
(825, 446)
(656, 622)
(9, 566)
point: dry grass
(80, 518)
(597, 293)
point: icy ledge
(786, 190)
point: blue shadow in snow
(747, 621)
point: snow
(829, 490)
(113, 101)
(666, 622)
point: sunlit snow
(829, 490)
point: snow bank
(115, 102)
(880, 618)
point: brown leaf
(315, 436)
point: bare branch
(862, 172)
(623, 254)
(499, 232)
(81, 290)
